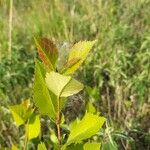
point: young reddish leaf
(48, 52)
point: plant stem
(10, 29)
(26, 137)
(58, 120)
(109, 102)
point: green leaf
(41, 146)
(14, 147)
(21, 112)
(61, 85)
(26, 103)
(18, 112)
(93, 93)
(53, 137)
(41, 94)
(48, 52)
(73, 123)
(90, 108)
(62, 102)
(71, 88)
(92, 146)
(33, 126)
(75, 147)
(86, 128)
(62, 119)
(78, 54)
(56, 82)
(109, 146)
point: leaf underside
(48, 53)
(62, 86)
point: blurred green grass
(118, 68)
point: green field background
(117, 69)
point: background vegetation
(118, 70)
